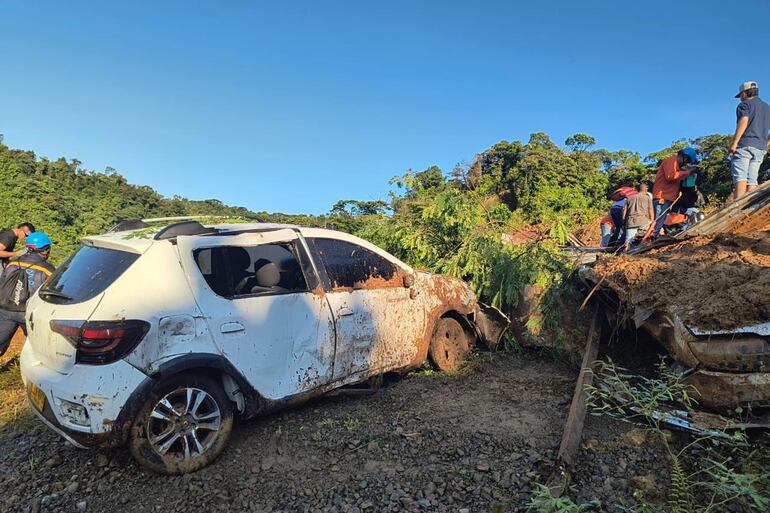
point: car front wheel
(449, 345)
(183, 426)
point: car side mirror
(409, 280)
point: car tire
(449, 345)
(183, 426)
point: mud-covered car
(728, 368)
(158, 338)
(704, 295)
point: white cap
(746, 86)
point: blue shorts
(745, 164)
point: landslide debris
(713, 283)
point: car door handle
(345, 311)
(231, 327)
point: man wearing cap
(665, 190)
(751, 139)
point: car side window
(350, 266)
(235, 271)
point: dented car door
(264, 308)
(377, 318)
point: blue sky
(290, 106)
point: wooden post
(573, 428)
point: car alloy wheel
(186, 421)
(183, 426)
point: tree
(359, 208)
(580, 142)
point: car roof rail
(183, 228)
(124, 225)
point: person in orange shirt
(665, 190)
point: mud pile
(590, 234)
(714, 283)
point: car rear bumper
(104, 399)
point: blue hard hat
(690, 153)
(38, 240)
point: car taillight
(100, 342)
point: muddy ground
(424, 442)
(715, 283)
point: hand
(23, 251)
(733, 148)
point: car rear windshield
(87, 273)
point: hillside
(69, 202)
(497, 223)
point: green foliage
(708, 474)
(69, 203)
(463, 226)
(580, 142)
(453, 232)
(543, 501)
(616, 390)
(542, 181)
(712, 150)
(717, 471)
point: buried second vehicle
(158, 338)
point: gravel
(438, 443)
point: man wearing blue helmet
(19, 281)
(668, 183)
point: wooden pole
(573, 428)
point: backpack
(14, 285)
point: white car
(159, 337)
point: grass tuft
(14, 411)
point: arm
(740, 128)
(672, 172)
(4, 253)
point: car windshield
(85, 274)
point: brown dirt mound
(715, 283)
(523, 235)
(591, 233)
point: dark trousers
(619, 235)
(9, 323)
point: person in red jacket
(665, 190)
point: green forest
(497, 223)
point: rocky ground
(425, 442)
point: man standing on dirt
(665, 190)
(8, 240)
(18, 282)
(751, 140)
(638, 214)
